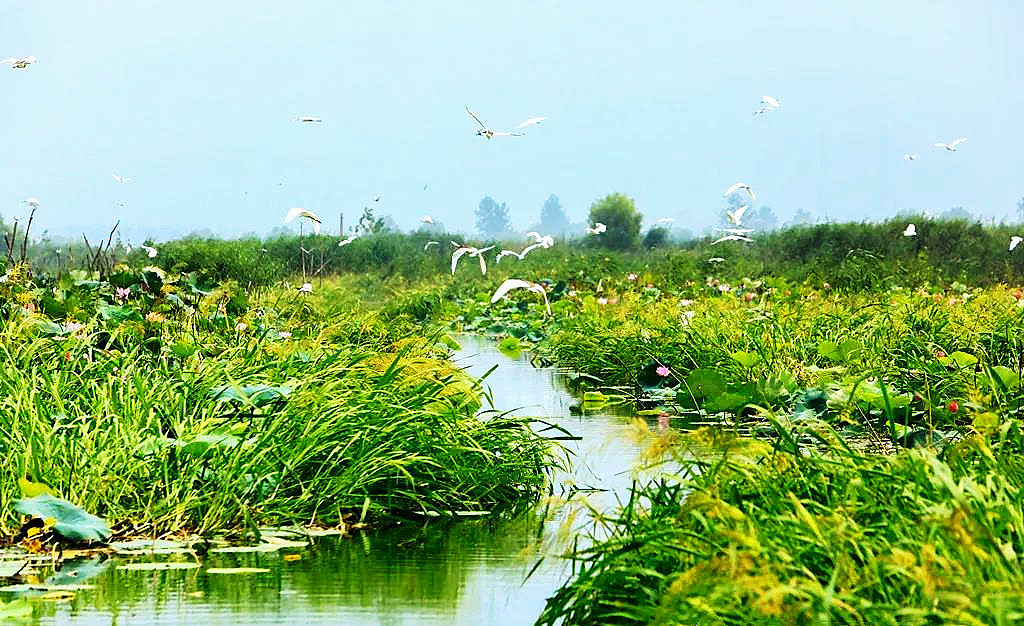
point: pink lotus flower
(662, 371)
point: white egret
(731, 238)
(544, 240)
(487, 132)
(532, 121)
(736, 217)
(300, 212)
(1014, 241)
(427, 219)
(21, 63)
(735, 231)
(762, 110)
(345, 242)
(121, 179)
(477, 252)
(306, 119)
(665, 220)
(376, 198)
(427, 245)
(910, 231)
(306, 288)
(515, 283)
(952, 145)
(770, 101)
(150, 250)
(32, 202)
(737, 187)
(597, 229)
(909, 157)
(520, 255)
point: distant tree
(553, 219)
(492, 218)
(956, 213)
(621, 219)
(763, 220)
(655, 237)
(370, 225)
(802, 216)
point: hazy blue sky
(196, 102)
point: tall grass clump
(788, 532)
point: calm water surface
(469, 572)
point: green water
(471, 572)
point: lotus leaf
(72, 521)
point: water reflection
(469, 572)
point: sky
(196, 102)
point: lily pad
(72, 521)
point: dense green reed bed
(186, 408)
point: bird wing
(530, 247)
(483, 264)
(456, 256)
(1014, 241)
(942, 145)
(532, 121)
(770, 101)
(958, 142)
(505, 134)
(10, 60)
(509, 285)
(473, 115)
(534, 235)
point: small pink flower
(122, 293)
(662, 371)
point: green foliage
(618, 213)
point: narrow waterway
(471, 572)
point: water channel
(471, 572)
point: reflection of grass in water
(772, 534)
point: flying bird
(306, 119)
(731, 238)
(532, 121)
(21, 63)
(121, 179)
(597, 229)
(150, 250)
(910, 231)
(736, 217)
(477, 252)
(299, 212)
(345, 242)
(909, 157)
(1014, 241)
(952, 145)
(427, 219)
(515, 283)
(32, 202)
(427, 245)
(487, 132)
(544, 240)
(666, 220)
(376, 198)
(521, 255)
(770, 101)
(737, 187)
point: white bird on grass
(736, 217)
(345, 242)
(300, 212)
(532, 121)
(150, 250)
(306, 288)
(306, 119)
(731, 238)
(1014, 241)
(21, 63)
(910, 231)
(477, 252)
(737, 187)
(515, 283)
(487, 132)
(952, 145)
(597, 229)
(121, 179)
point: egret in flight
(597, 229)
(477, 252)
(300, 212)
(532, 121)
(121, 179)
(306, 119)
(952, 145)
(1014, 241)
(21, 63)
(515, 283)
(487, 132)
(345, 242)
(737, 187)
(731, 238)
(909, 157)
(150, 250)
(736, 217)
(910, 231)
